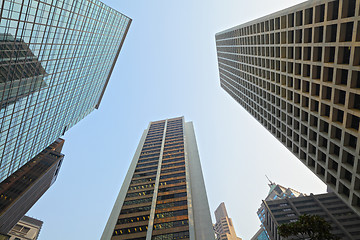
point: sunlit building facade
(56, 58)
(297, 71)
(224, 227)
(163, 195)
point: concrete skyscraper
(224, 227)
(163, 195)
(297, 72)
(56, 58)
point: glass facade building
(163, 195)
(56, 58)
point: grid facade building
(297, 72)
(20, 191)
(56, 58)
(343, 220)
(163, 195)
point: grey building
(343, 220)
(163, 195)
(224, 227)
(20, 191)
(297, 71)
(56, 59)
(276, 191)
(26, 229)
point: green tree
(307, 227)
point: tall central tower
(163, 195)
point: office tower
(276, 192)
(163, 195)
(224, 228)
(27, 228)
(56, 58)
(343, 220)
(20, 191)
(297, 72)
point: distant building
(276, 192)
(26, 229)
(224, 227)
(163, 195)
(297, 72)
(343, 220)
(20, 191)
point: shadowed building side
(20, 191)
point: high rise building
(163, 195)
(224, 227)
(56, 58)
(297, 71)
(26, 229)
(276, 192)
(20, 191)
(343, 220)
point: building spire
(271, 183)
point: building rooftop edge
(114, 63)
(266, 17)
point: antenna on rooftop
(269, 180)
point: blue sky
(168, 68)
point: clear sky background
(168, 68)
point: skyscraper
(56, 58)
(20, 191)
(276, 192)
(297, 72)
(224, 227)
(163, 195)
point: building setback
(224, 227)
(163, 195)
(297, 72)
(20, 191)
(56, 58)
(343, 220)
(26, 229)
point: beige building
(297, 71)
(224, 227)
(26, 229)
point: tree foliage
(307, 227)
